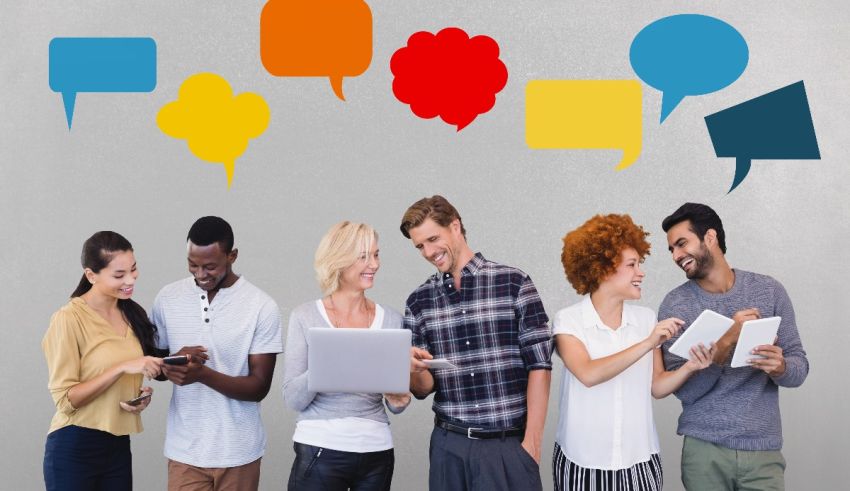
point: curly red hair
(592, 252)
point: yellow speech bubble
(585, 114)
(215, 124)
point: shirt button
(472, 374)
(462, 311)
(206, 320)
(203, 297)
(467, 343)
(476, 405)
(205, 309)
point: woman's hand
(398, 400)
(701, 357)
(141, 406)
(149, 366)
(665, 330)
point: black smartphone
(138, 400)
(176, 360)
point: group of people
(484, 317)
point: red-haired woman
(606, 433)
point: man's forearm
(421, 384)
(537, 395)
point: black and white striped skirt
(643, 476)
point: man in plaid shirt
(487, 319)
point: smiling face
(360, 275)
(440, 246)
(210, 265)
(689, 252)
(626, 280)
(118, 278)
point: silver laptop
(358, 360)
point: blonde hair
(341, 247)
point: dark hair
(701, 218)
(436, 208)
(209, 230)
(98, 251)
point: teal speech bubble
(100, 65)
(688, 54)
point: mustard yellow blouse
(80, 345)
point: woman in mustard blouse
(98, 348)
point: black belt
(478, 433)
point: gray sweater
(322, 405)
(736, 408)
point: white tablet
(358, 360)
(754, 333)
(439, 363)
(706, 329)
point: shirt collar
(590, 317)
(474, 265)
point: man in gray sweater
(730, 416)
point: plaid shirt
(494, 329)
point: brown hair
(436, 208)
(592, 252)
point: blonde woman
(341, 440)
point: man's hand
(773, 362)
(532, 447)
(191, 372)
(730, 337)
(416, 357)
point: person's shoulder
(391, 316)
(68, 314)
(258, 294)
(305, 309)
(571, 313)
(750, 278)
(176, 288)
(424, 290)
(644, 315)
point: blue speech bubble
(688, 54)
(775, 126)
(101, 65)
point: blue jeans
(324, 469)
(83, 459)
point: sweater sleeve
(701, 382)
(295, 393)
(62, 351)
(796, 363)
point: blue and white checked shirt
(494, 329)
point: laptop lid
(358, 360)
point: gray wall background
(322, 160)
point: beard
(703, 262)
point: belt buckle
(469, 433)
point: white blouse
(608, 426)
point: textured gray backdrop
(322, 160)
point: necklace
(369, 312)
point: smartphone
(176, 360)
(138, 400)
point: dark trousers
(324, 469)
(82, 459)
(459, 463)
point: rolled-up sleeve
(535, 336)
(62, 351)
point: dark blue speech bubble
(101, 65)
(775, 126)
(688, 54)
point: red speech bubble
(449, 75)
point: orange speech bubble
(316, 38)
